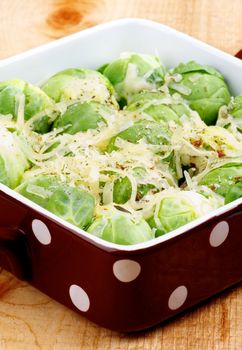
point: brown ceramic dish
(121, 288)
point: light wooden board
(28, 318)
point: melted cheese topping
(82, 160)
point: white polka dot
(41, 232)
(177, 298)
(126, 270)
(219, 234)
(79, 298)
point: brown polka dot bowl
(125, 288)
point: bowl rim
(74, 229)
(121, 22)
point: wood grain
(28, 318)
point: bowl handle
(13, 252)
(239, 54)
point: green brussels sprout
(121, 228)
(177, 209)
(234, 192)
(39, 188)
(235, 107)
(35, 102)
(152, 132)
(119, 188)
(203, 87)
(122, 190)
(82, 116)
(205, 142)
(158, 106)
(222, 178)
(80, 84)
(132, 73)
(230, 117)
(143, 189)
(72, 204)
(9, 90)
(13, 162)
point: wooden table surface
(28, 318)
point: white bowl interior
(98, 45)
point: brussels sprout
(122, 190)
(69, 203)
(177, 209)
(13, 162)
(231, 117)
(132, 73)
(35, 101)
(235, 107)
(82, 116)
(234, 192)
(143, 189)
(80, 84)
(152, 132)
(121, 228)
(203, 87)
(202, 143)
(158, 106)
(138, 182)
(222, 178)
(9, 91)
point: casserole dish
(125, 288)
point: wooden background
(29, 319)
